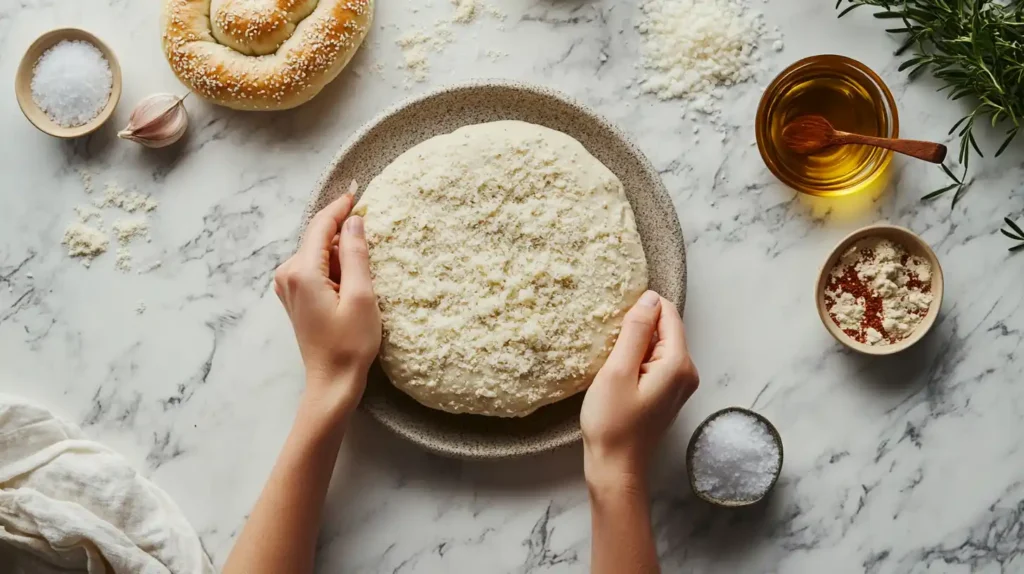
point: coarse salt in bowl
(734, 458)
(875, 313)
(68, 83)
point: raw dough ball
(504, 256)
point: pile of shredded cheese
(693, 49)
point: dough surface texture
(504, 257)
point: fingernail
(650, 299)
(354, 225)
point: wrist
(333, 396)
(605, 473)
(611, 486)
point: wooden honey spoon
(809, 134)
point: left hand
(328, 293)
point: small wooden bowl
(693, 446)
(23, 83)
(915, 246)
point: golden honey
(853, 99)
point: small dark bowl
(693, 445)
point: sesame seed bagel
(262, 54)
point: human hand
(637, 393)
(328, 294)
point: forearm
(622, 541)
(280, 534)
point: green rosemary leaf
(1011, 236)
(940, 191)
(950, 173)
(848, 9)
(975, 49)
(974, 144)
(956, 125)
(1014, 227)
(911, 62)
(961, 190)
(1006, 142)
(1017, 247)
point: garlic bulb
(158, 121)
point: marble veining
(905, 464)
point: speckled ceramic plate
(375, 146)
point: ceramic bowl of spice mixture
(68, 83)
(734, 458)
(880, 290)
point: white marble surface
(908, 464)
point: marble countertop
(906, 464)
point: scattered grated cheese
(131, 229)
(89, 241)
(88, 212)
(124, 260)
(86, 176)
(692, 49)
(417, 45)
(465, 11)
(84, 241)
(130, 201)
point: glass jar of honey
(853, 99)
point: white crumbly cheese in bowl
(878, 293)
(504, 256)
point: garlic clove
(157, 121)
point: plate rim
(661, 191)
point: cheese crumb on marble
(418, 45)
(129, 230)
(123, 263)
(85, 241)
(87, 213)
(86, 238)
(694, 49)
(465, 11)
(131, 201)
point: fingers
(638, 327)
(324, 227)
(355, 260)
(334, 262)
(671, 332)
(671, 368)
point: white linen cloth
(75, 505)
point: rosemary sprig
(1014, 233)
(976, 49)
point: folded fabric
(75, 505)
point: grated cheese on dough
(504, 256)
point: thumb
(638, 328)
(355, 260)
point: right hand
(637, 393)
(327, 290)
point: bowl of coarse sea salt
(68, 83)
(734, 458)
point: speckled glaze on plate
(443, 111)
